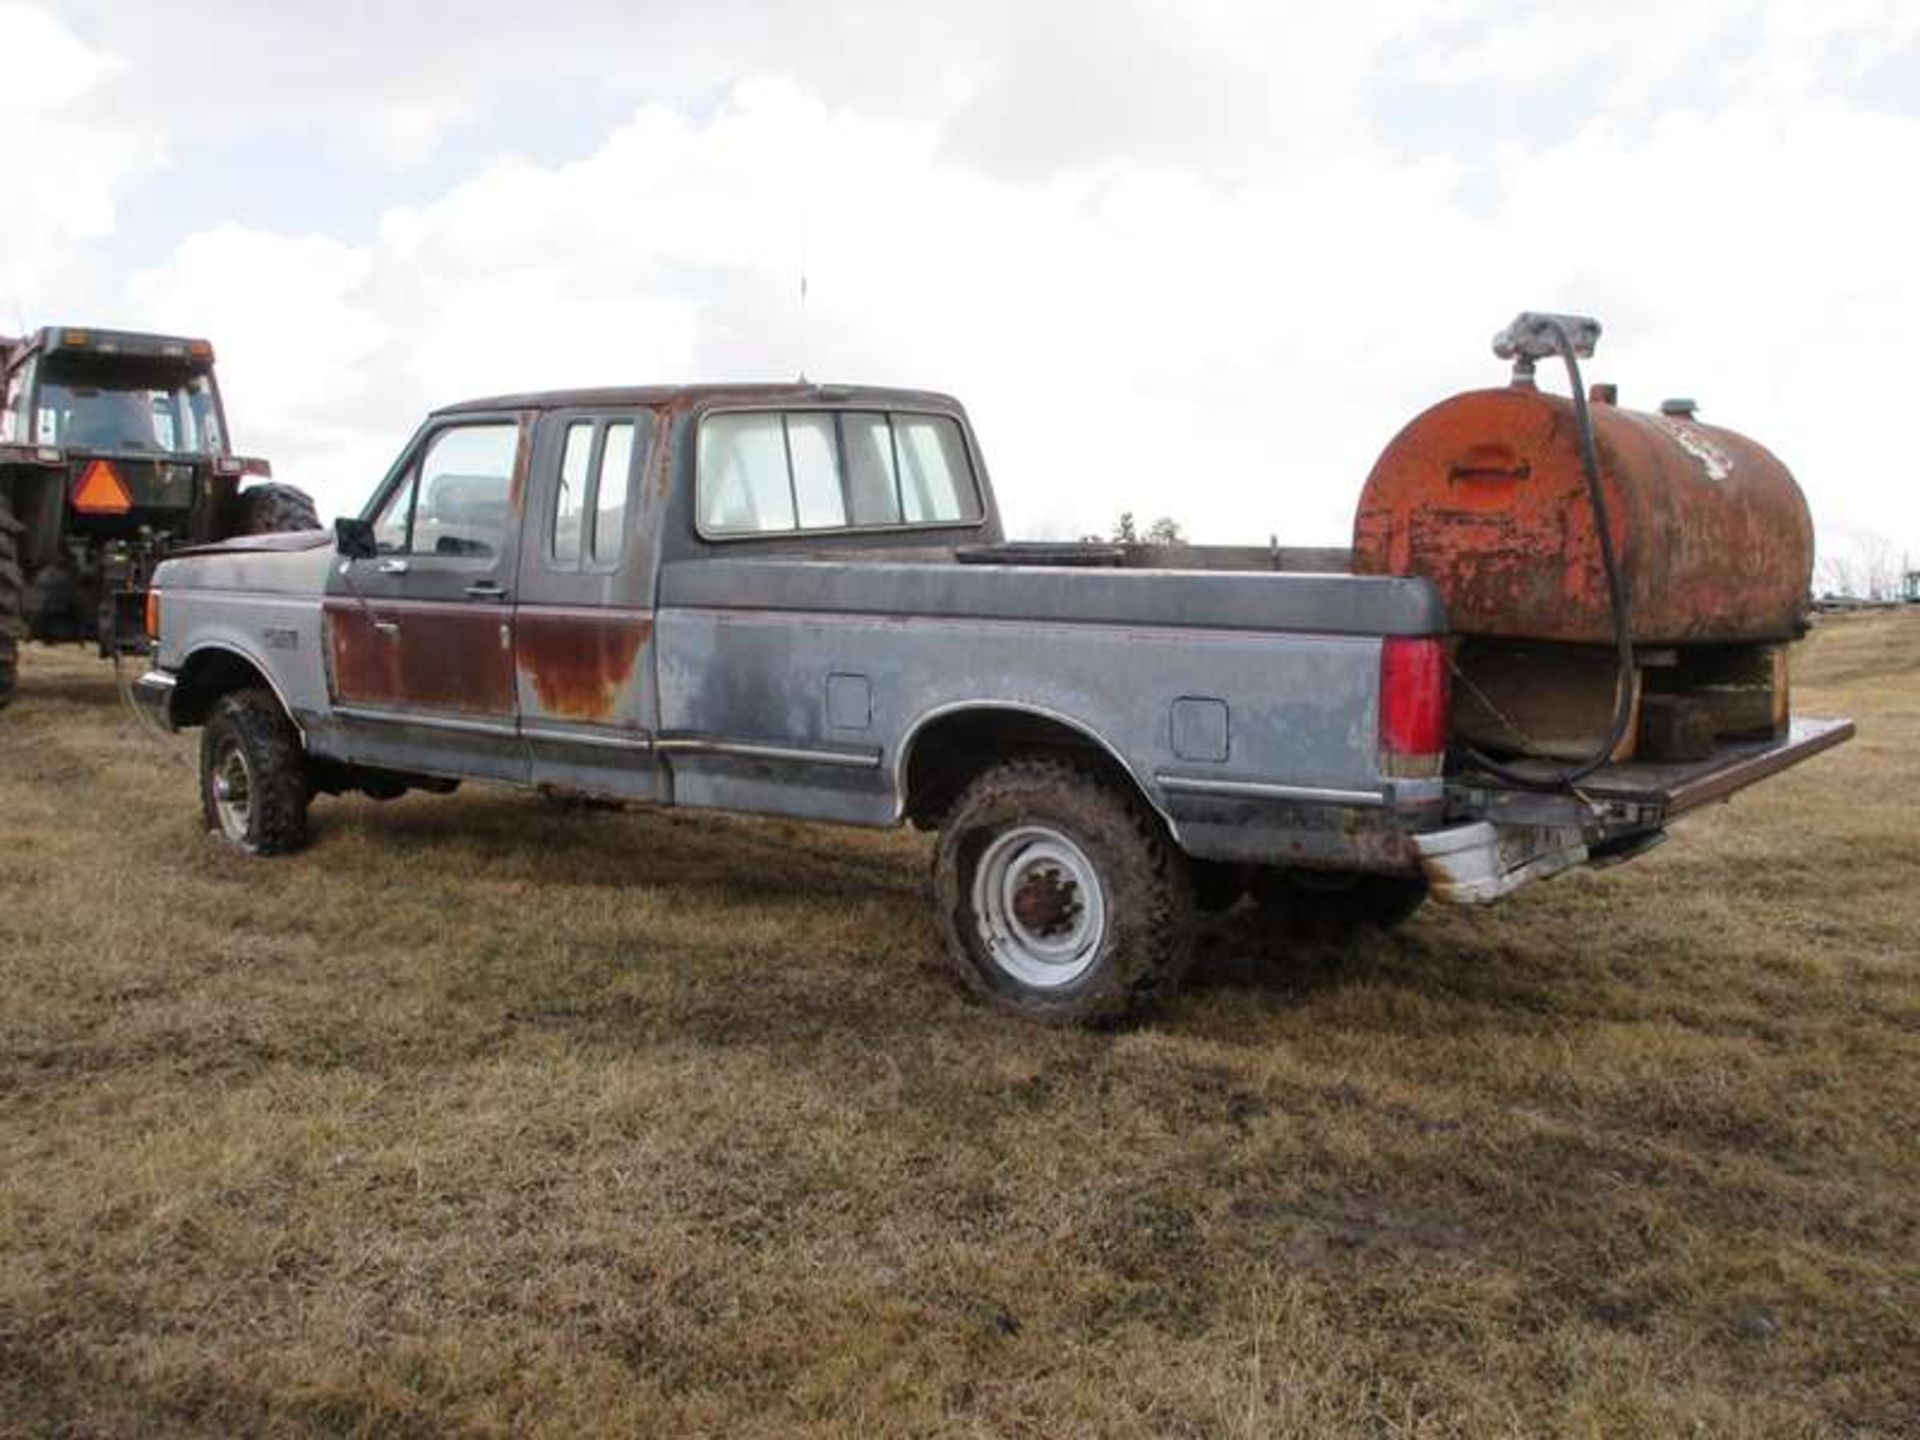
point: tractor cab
(114, 449)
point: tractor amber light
(153, 615)
(101, 491)
(76, 338)
(1413, 705)
(200, 349)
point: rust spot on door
(578, 661)
(435, 656)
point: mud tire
(1332, 904)
(13, 590)
(249, 738)
(1144, 938)
(272, 509)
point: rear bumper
(1476, 864)
(153, 693)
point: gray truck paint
(799, 675)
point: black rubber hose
(1616, 595)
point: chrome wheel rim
(1041, 912)
(233, 791)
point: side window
(592, 495)
(570, 498)
(872, 481)
(936, 479)
(454, 501)
(779, 473)
(610, 492)
(744, 486)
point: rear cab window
(804, 471)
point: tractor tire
(1059, 895)
(1330, 904)
(254, 783)
(13, 587)
(271, 509)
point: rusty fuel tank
(1484, 494)
(1487, 496)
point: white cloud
(64, 162)
(404, 134)
(1176, 260)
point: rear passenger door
(584, 623)
(420, 637)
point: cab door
(420, 637)
(584, 614)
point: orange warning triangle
(100, 491)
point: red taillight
(1413, 705)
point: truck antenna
(804, 228)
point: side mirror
(353, 539)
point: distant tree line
(1126, 531)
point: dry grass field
(484, 1117)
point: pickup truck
(797, 600)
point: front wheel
(254, 785)
(1059, 895)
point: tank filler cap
(1679, 409)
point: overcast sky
(1197, 259)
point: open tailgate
(1502, 836)
(1675, 788)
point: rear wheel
(254, 785)
(271, 509)
(1059, 895)
(13, 586)
(1324, 901)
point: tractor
(113, 451)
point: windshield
(153, 410)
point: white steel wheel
(1039, 905)
(231, 783)
(254, 783)
(1058, 894)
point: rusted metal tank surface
(1484, 495)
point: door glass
(568, 511)
(610, 493)
(466, 478)
(391, 524)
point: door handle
(486, 590)
(389, 628)
(393, 567)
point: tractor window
(13, 416)
(126, 409)
(454, 501)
